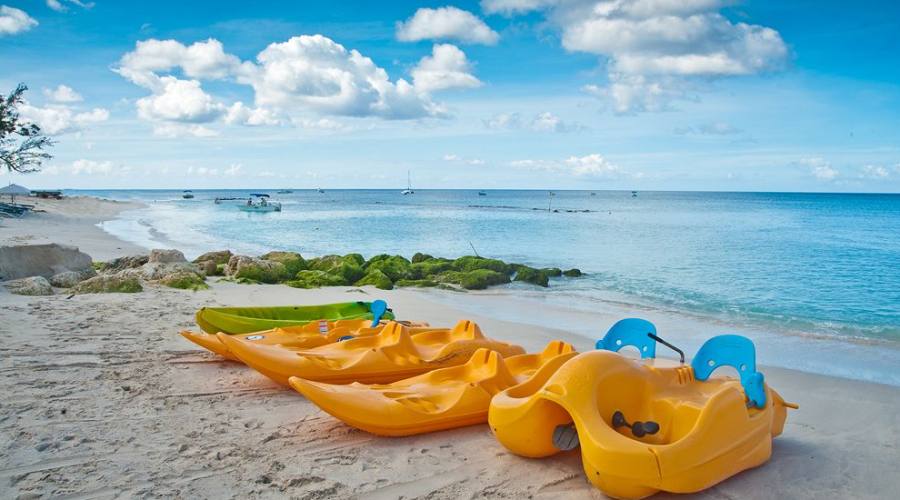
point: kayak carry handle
(670, 346)
(735, 351)
(630, 331)
(377, 308)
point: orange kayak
(441, 399)
(392, 354)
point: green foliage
(377, 278)
(315, 279)
(573, 273)
(21, 143)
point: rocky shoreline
(38, 269)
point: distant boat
(408, 189)
(482, 193)
(593, 194)
(259, 202)
(320, 190)
(285, 191)
(187, 194)
(634, 194)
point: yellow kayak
(301, 337)
(390, 355)
(441, 399)
(647, 425)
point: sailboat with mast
(408, 189)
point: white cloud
(446, 68)
(875, 172)
(59, 119)
(713, 128)
(178, 130)
(63, 94)
(13, 21)
(509, 7)
(451, 157)
(90, 167)
(592, 166)
(179, 101)
(542, 122)
(59, 6)
(459, 159)
(200, 60)
(303, 76)
(819, 168)
(233, 170)
(446, 23)
(313, 73)
(652, 48)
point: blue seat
(739, 353)
(378, 308)
(633, 332)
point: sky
(533, 94)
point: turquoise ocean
(823, 264)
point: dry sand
(70, 221)
(103, 399)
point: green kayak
(233, 320)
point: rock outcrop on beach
(22, 261)
(34, 285)
(68, 279)
(383, 271)
(109, 283)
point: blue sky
(562, 94)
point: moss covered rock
(347, 266)
(471, 263)
(242, 267)
(217, 257)
(421, 257)
(293, 262)
(33, 285)
(531, 275)
(572, 273)
(185, 281)
(376, 278)
(109, 283)
(478, 279)
(355, 258)
(429, 268)
(315, 279)
(419, 283)
(396, 267)
(553, 272)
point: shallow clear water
(817, 263)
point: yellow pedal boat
(441, 399)
(647, 425)
(390, 355)
(302, 337)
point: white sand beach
(104, 399)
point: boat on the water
(634, 194)
(408, 189)
(285, 191)
(187, 194)
(482, 193)
(320, 190)
(259, 202)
